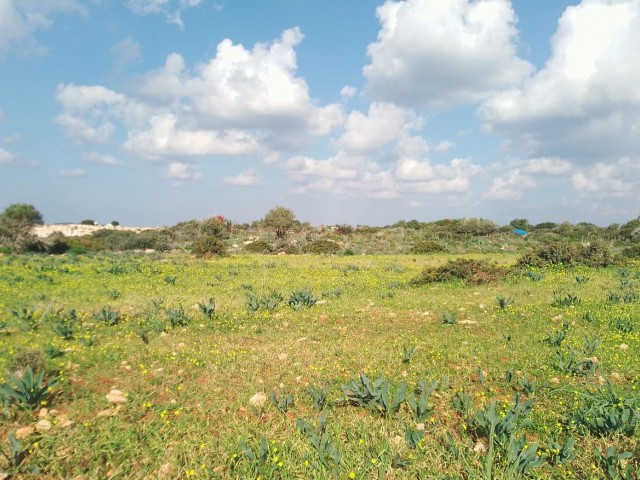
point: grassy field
(316, 367)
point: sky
(152, 112)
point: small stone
(116, 396)
(43, 426)
(258, 400)
(282, 357)
(64, 421)
(623, 346)
(63, 452)
(616, 377)
(105, 413)
(555, 380)
(43, 413)
(167, 471)
(25, 432)
(481, 445)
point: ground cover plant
(307, 366)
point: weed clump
(594, 254)
(427, 246)
(258, 246)
(321, 247)
(472, 272)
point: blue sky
(151, 112)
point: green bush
(552, 253)
(427, 246)
(258, 246)
(632, 251)
(321, 247)
(209, 246)
(472, 272)
(597, 253)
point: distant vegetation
(279, 231)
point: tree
(281, 220)
(16, 222)
(521, 224)
(88, 221)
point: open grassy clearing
(140, 326)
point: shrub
(553, 253)
(472, 272)
(209, 246)
(326, 247)
(258, 246)
(427, 246)
(632, 251)
(597, 253)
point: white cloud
(165, 139)
(619, 179)
(19, 19)
(81, 131)
(181, 172)
(384, 123)
(246, 178)
(171, 9)
(414, 204)
(348, 91)
(126, 52)
(510, 186)
(240, 102)
(584, 105)
(402, 169)
(547, 166)
(102, 159)
(6, 157)
(75, 173)
(444, 146)
(438, 53)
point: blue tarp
(522, 233)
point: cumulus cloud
(348, 91)
(102, 159)
(240, 102)
(444, 146)
(618, 179)
(181, 172)
(170, 9)
(547, 166)
(125, 52)
(403, 169)
(383, 123)
(510, 186)
(6, 157)
(438, 53)
(246, 178)
(584, 104)
(19, 19)
(75, 173)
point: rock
(64, 421)
(43, 426)
(258, 400)
(555, 380)
(25, 432)
(616, 377)
(167, 471)
(43, 413)
(623, 346)
(282, 357)
(481, 445)
(116, 396)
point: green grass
(188, 414)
